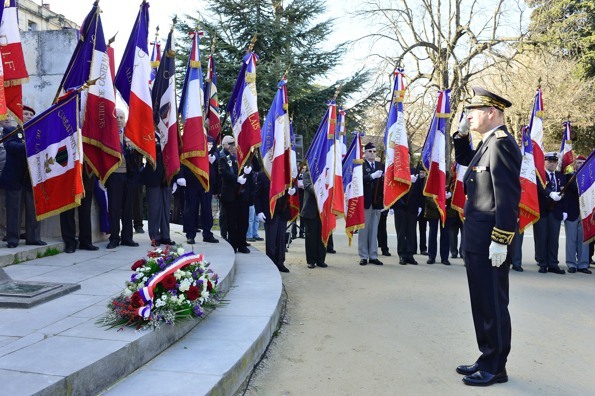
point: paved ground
(352, 330)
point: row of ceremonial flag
(81, 128)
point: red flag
(212, 121)
(566, 154)
(529, 203)
(353, 179)
(458, 191)
(397, 178)
(536, 131)
(194, 139)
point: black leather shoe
(129, 243)
(243, 249)
(571, 270)
(483, 378)
(556, 270)
(69, 249)
(11, 245)
(467, 369)
(424, 252)
(331, 251)
(190, 241)
(139, 230)
(411, 260)
(363, 262)
(282, 268)
(453, 256)
(87, 247)
(585, 270)
(445, 262)
(386, 253)
(322, 265)
(210, 240)
(165, 242)
(430, 261)
(375, 261)
(23, 236)
(542, 270)
(402, 261)
(517, 268)
(258, 239)
(36, 243)
(112, 245)
(312, 265)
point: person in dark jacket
(367, 238)
(577, 252)
(315, 249)
(406, 210)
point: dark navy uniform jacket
(373, 188)
(16, 168)
(546, 204)
(261, 201)
(493, 189)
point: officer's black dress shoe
(410, 260)
(210, 239)
(69, 249)
(113, 245)
(542, 270)
(190, 241)
(363, 262)
(375, 261)
(424, 252)
(36, 243)
(571, 270)
(258, 238)
(166, 242)
(311, 265)
(11, 245)
(139, 230)
(322, 265)
(243, 249)
(483, 378)
(517, 268)
(585, 270)
(467, 369)
(445, 262)
(402, 261)
(282, 268)
(87, 247)
(132, 243)
(556, 270)
(430, 261)
(386, 253)
(331, 251)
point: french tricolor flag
(529, 203)
(212, 121)
(397, 178)
(155, 59)
(585, 179)
(243, 110)
(566, 153)
(353, 183)
(132, 83)
(458, 172)
(194, 139)
(276, 146)
(536, 131)
(338, 207)
(434, 154)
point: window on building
(32, 26)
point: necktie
(553, 181)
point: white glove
(300, 184)
(497, 253)
(564, 216)
(211, 158)
(418, 211)
(174, 188)
(448, 195)
(555, 196)
(464, 126)
(261, 217)
(242, 179)
(376, 174)
(247, 170)
(291, 191)
(391, 212)
(413, 178)
(181, 182)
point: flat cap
(484, 98)
(551, 156)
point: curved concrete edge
(129, 349)
(217, 357)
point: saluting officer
(493, 193)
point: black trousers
(236, 213)
(119, 201)
(435, 224)
(422, 224)
(137, 205)
(546, 232)
(488, 290)
(381, 236)
(67, 223)
(405, 224)
(315, 249)
(274, 230)
(198, 200)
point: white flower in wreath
(180, 251)
(184, 285)
(127, 292)
(204, 294)
(159, 303)
(178, 274)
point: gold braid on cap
(481, 101)
(501, 236)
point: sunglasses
(371, 151)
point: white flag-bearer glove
(413, 178)
(497, 253)
(556, 196)
(376, 174)
(211, 158)
(181, 182)
(291, 191)
(448, 195)
(418, 211)
(261, 217)
(247, 170)
(242, 179)
(564, 216)
(391, 212)
(464, 126)
(300, 184)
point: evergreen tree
(289, 38)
